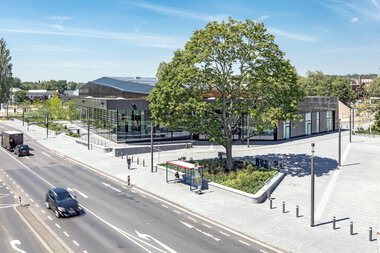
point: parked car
(21, 150)
(62, 203)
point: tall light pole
(151, 145)
(47, 123)
(350, 127)
(340, 145)
(248, 130)
(312, 185)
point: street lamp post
(340, 145)
(350, 128)
(312, 185)
(47, 124)
(151, 146)
(248, 130)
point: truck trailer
(9, 139)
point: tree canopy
(318, 84)
(5, 72)
(226, 71)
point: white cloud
(289, 35)
(354, 20)
(60, 19)
(262, 18)
(179, 13)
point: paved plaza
(350, 193)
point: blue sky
(82, 40)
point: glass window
(308, 123)
(329, 120)
(317, 124)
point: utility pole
(350, 128)
(47, 124)
(340, 145)
(312, 173)
(151, 145)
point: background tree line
(60, 85)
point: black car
(62, 203)
(21, 150)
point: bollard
(270, 203)
(351, 228)
(297, 211)
(334, 221)
(143, 162)
(132, 158)
(129, 180)
(370, 234)
(19, 200)
(283, 207)
(137, 161)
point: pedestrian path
(352, 197)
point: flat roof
(182, 164)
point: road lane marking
(26, 195)
(164, 206)
(186, 224)
(207, 234)
(263, 251)
(22, 190)
(224, 233)
(26, 157)
(243, 242)
(109, 186)
(57, 225)
(206, 225)
(31, 200)
(50, 218)
(66, 234)
(149, 237)
(14, 243)
(81, 193)
(37, 206)
(43, 211)
(75, 242)
(176, 211)
(142, 196)
(330, 187)
(191, 218)
(46, 154)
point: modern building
(116, 108)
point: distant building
(116, 108)
(41, 94)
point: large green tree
(240, 66)
(5, 72)
(374, 88)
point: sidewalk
(350, 193)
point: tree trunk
(228, 148)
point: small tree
(20, 96)
(241, 68)
(5, 72)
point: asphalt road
(15, 235)
(116, 218)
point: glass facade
(317, 123)
(329, 121)
(308, 123)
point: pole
(350, 128)
(340, 145)
(248, 130)
(151, 146)
(88, 134)
(353, 118)
(23, 116)
(312, 185)
(47, 124)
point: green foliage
(374, 88)
(249, 179)
(377, 118)
(20, 96)
(239, 65)
(319, 84)
(6, 79)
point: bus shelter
(193, 174)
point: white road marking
(31, 200)
(37, 206)
(176, 211)
(17, 186)
(109, 186)
(81, 193)
(142, 196)
(7, 175)
(330, 187)
(11, 192)
(75, 242)
(46, 154)
(263, 251)
(26, 195)
(14, 243)
(13, 182)
(43, 211)
(164, 206)
(22, 190)
(26, 157)
(50, 218)
(15, 196)
(207, 234)
(191, 218)
(57, 225)
(7, 187)
(66, 234)
(149, 237)
(243, 242)
(224, 233)
(85, 251)
(206, 225)
(186, 224)
(133, 191)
